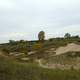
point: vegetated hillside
(11, 70)
(39, 49)
(53, 42)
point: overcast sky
(23, 19)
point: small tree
(67, 35)
(11, 41)
(41, 36)
(77, 36)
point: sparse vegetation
(10, 70)
(13, 68)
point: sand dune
(70, 47)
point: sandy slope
(70, 47)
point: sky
(24, 19)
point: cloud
(23, 19)
(7, 4)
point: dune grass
(11, 70)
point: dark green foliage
(41, 36)
(5, 51)
(67, 35)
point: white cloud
(25, 18)
(9, 4)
